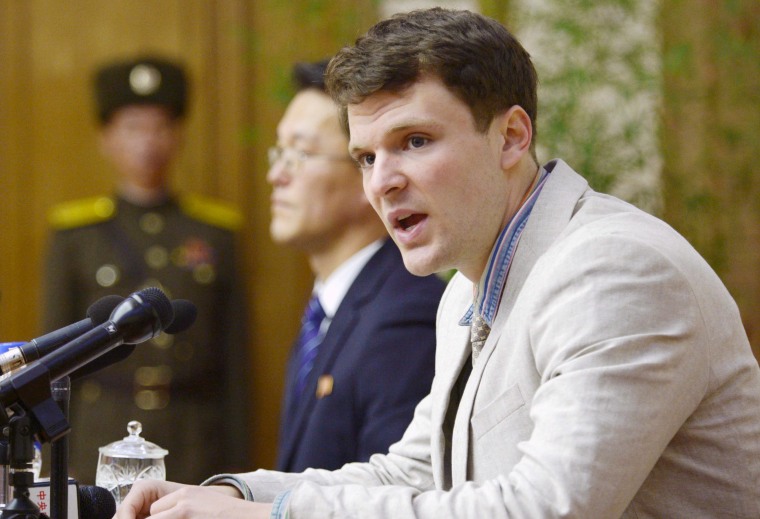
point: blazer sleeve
(407, 465)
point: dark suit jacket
(376, 363)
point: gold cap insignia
(144, 79)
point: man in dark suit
(147, 235)
(356, 374)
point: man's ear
(517, 131)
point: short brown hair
(476, 57)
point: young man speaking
(589, 363)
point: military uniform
(184, 389)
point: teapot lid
(133, 446)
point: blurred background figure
(365, 354)
(188, 391)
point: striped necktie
(308, 343)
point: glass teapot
(123, 462)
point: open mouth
(410, 221)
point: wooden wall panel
(239, 54)
(14, 155)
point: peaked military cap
(145, 80)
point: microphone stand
(21, 440)
(29, 395)
(59, 454)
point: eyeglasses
(293, 158)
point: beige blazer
(617, 382)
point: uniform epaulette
(78, 213)
(212, 212)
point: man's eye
(365, 161)
(417, 141)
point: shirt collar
(489, 290)
(332, 290)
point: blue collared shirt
(494, 278)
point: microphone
(86, 501)
(97, 313)
(96, 503)
(140, 317)
(185, 313)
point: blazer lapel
(449, 364)
(550, 215)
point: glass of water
(121, 463)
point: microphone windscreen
(100, 310)
(185, 313)
(160, 304)
(96, 503)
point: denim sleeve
(232, 480)
(280, 506)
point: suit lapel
(331, 345)
(362, 292)
(550, 215)
(289, 410)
